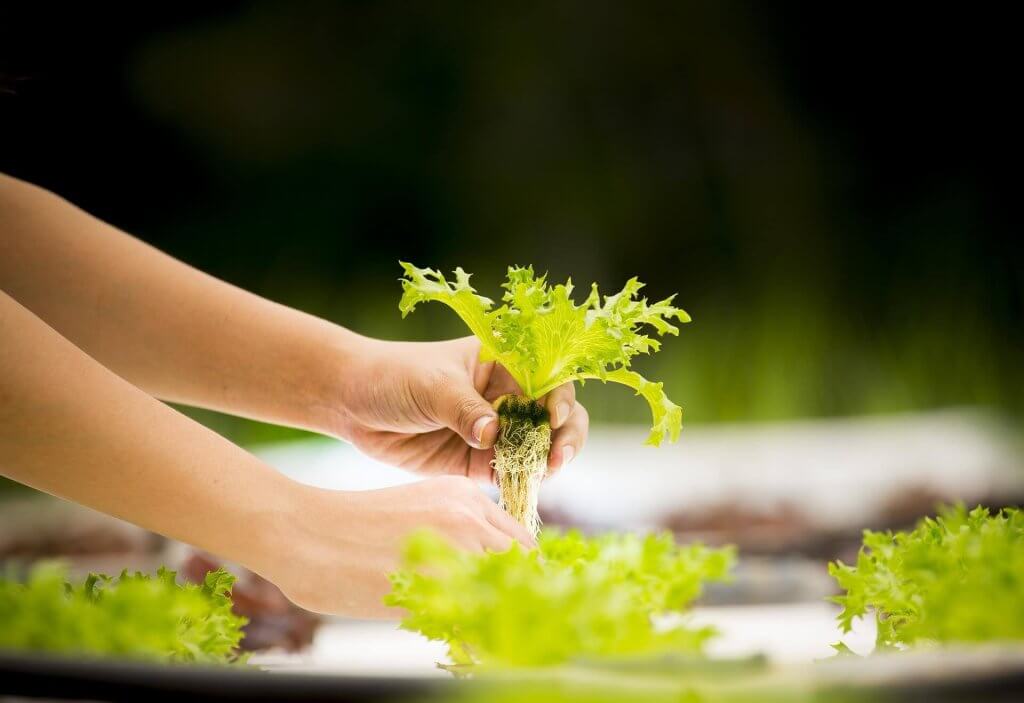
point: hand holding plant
(426, 407)
(544, 340)
(340, 545)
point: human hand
(425, 406)
(343, 544)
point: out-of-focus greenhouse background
(826, 194)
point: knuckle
(461, 517)
(437, 383)
(447, 515)
(458, 492)
(456, 486)
(465, 409)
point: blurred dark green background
(832, 196)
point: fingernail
(561, 413)
(567, 454)
(478, 429)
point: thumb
(459, 407)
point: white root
(521, 458)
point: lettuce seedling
(958, 577)
(572, 598)
(544, 339)
(134, 615)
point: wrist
(337, 358)
(308, 545)
(281, 537)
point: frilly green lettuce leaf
(544, 339)
(957, 577)
(134, 615)
(572, 598)
(421, 285)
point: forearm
(70, 427)
(166, 327)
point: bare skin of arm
(173, 331)
(71, 427)
(184, 336)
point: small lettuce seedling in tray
(544, 339)
(135, 616)
(571, 599)
(955, 578)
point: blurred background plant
(826, 198)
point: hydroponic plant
(134, 615)
(958, 577)
(544, 339)
(571, 598)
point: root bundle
(521, 457)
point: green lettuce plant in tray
(573, 598)
(134, 615)
(956, 578)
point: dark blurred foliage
(832, 195)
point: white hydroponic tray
(838, 470)
(785, 634)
